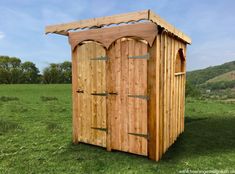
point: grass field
(35, 137)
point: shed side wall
(172, 92)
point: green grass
(35, 137)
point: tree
(10, 69)
(66, 69)
(191, 90)
(30, 73)
(52, 74)
(58, 73)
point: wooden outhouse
(128, 82)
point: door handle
(80, 91)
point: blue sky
(210, 24)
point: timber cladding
(128, 86)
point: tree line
(13, 71)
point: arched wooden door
(90, 94)
(111, 97)
(127, 111)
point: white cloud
(2, 35)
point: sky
(210, 24)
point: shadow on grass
(190, 120)
(204, 136)
(93, 158)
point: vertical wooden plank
(177, 96)
(75, 97)
(115, 62)
(104, 101)
(137, 91)
(157, 94)
(100, 87)
(111, 100)
(131, 101)
(184, 83)
(94, 89)
(80, 86)
(161, 91)
(172, 86)
(180, 104)
(165, 92)
(173, 90)
(88, 104)
(143, 104)
(152, 103)
(124, 92)
(170, 89)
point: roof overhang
(63, 29)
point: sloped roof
(63, 29)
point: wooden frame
(64, 29)
(132, 69)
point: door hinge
(140, 135)
(146, 56)
(100, 58)
(99, 128)
(113, 93)
(105, 93)
(145, 97)
(100, 94)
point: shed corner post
(153, 103)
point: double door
(112, 95)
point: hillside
(224, 72)
(215, 82)
(223, 77)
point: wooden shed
(128, 82)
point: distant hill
(213, 74)
(229, 76)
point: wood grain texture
(128, 119)
(167, 26)
(172, 91)
(91, 108)
(75, 97)
(117, 19)
(106, 36)
(128, 114)
(98, 22)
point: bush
(192, 90)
